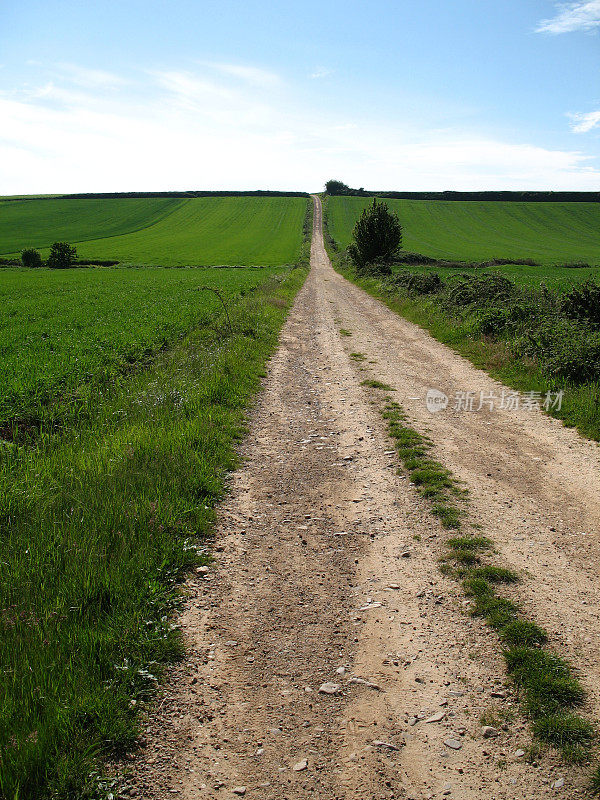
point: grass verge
(581, 402)
(100, 523)
(528, 337)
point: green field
(63, 331)
(206, 231)
(549, 233)
(124, 393)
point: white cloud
(211, 102)
(249, 74)
(582, 123)
(321, 72)
(579, 16)
(190, 88)
(91, 78)
(55, 95)
(186, 130)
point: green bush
(62, 256)
(377, 238)
(563, 347)
(484, 290)
(31, 258)
(492, 321)
(419, 282)
(583, 303)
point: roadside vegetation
(534, 337)
(549, 691)
(109, 503)
(377, 239)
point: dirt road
(328, 657)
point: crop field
(123, 395)
(204, 231)
(63, 331)
(549, 233)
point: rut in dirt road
(327, 576)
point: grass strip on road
(546, 685)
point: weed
(377, 385)
(465, 557)
(449, 515)
(523, 633)
(564, 730)
(431, 479)
(545, 680)
(494, 574)
(490, 717)
(474, 543)
(583, 302)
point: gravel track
(327, 573)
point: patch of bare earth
(327, 656)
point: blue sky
(411, 94)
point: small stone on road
(329, 688)
(453, 744)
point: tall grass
(99, 524)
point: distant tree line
(120, 195)
(521, 197)
(335, 187)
